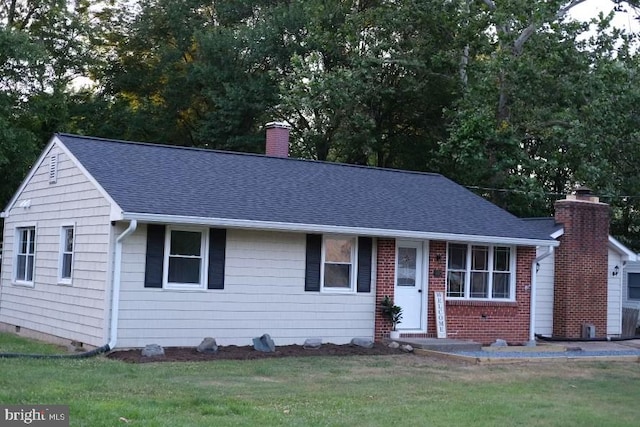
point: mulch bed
(232, 352)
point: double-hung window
(25, 255)
(338, 267)
(66, 254)
(480, 272)
(185, 265)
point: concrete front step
(441, 344)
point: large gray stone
(394, 344)
(208, 345)
(362, 342)
(407, 348)
(152, 350)
(264, 344)
(499, 343)
(312, 343)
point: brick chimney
(277, 139)
(580, 291)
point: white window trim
(354, 266)
(66, 280)
(467, 279)
(204, 256)
(16, 244)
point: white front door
(409, 287)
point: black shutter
(217, 254)
(314, 257)
(364, 264)
(155, 256)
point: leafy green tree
(18, 144)
(371, 86)
(525, 90)
(43, 47)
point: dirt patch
(232, 352)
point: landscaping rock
(264, 344)
(362, 342)
(312, 343)
(208, 345)
(394, 344)
(152, 350)
(407, 348)
(499, 343)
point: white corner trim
(322, 229)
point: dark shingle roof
(547, 225)
(168, 180)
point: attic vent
(53, 168)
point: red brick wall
(486, 321)
(480, 321)
(437, 277)
(385, 280)
(580, 291)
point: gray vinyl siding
(76, 311)
(614, 295)
(544, 295)
(263, 293)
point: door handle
(420, 290)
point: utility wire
(550, 194)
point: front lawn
(325, 391)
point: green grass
(10, 343)
(329, 391)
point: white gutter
(333, 229)
(115, 292)
(532, 293)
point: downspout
(115, 292)
(115, 303)
(534, 277)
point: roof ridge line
(241, 153)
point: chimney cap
(583, 191)
(583, 194)
(281, 125)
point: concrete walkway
(470, 352)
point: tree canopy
(514, 99)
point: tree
(372, 84)
(525, 88)
(43, 47)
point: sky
(591, 8)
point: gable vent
(53, 168)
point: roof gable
(55, 146)
(195, 183)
